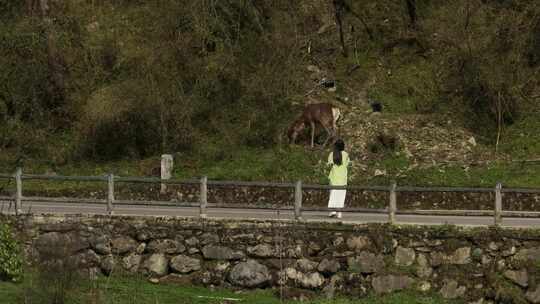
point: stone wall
(476, 264)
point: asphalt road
(143, 210)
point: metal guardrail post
(203, 197)
(498, 204)
(110, 193)
(392, 204)
(18, 193)
(298, 200)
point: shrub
(10, 255)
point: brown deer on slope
(320, 113)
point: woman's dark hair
(339, 146)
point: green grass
(10, 292)
(509, 174)
(135, 291)
(287, 165)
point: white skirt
(337, 198)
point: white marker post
(166, 170)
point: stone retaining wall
(475, 264)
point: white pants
(337, 198)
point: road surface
(262, 214)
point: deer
(319, 113)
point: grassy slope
(519, 141)
(136, 291)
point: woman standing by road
(339, 160)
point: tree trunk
(411, 10)
(56, 73)
(339, 8)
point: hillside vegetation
(93, 86)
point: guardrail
(298, 187)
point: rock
(222, 266)
(310, 280)
(132, 262)
(424, 286)
(366, 262)
(328, 266)
(192, 241)
(92, 27)
(261, 251)
(55, 244)
(313, 69)
(146, 234)
(486, 260)
(493, 246)
(330, 289)
(424, 270)
(58, 227)
(450, 290)
(434, 243)
(107, 264)
(533, 296)
(123, 244)
(472, 141)
(141, 248)
(101, 244)
(379, 172)
(461, 256)
(165, 246)
(157, 264)
(212, 252)
(86, 259)
(501, 265)
(295, 252)
(209, 238)
(357, 243)
(340, 254)
(391, 283)
(291, 274)
(509, 252)
(249, 274)
(313, 248)
(519, 277)
(185, 264)
(404, 256)
(306, 265)
(423, 249)
(192, 251)
(531, 254)
(338, 241)
(477, 253)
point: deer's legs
(330, 135)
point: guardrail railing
(392, 208)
